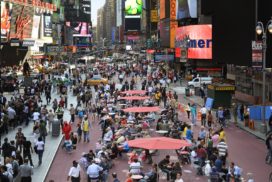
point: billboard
(132, 24)
(162, 9)
(200, 40)
(80, 29)
(119, 13)
(165, 33)
(6, 10)
(133, 7)
(186, 9)
(160, 57)
(47, 29)
(257, 54)
(21, 21)
(36, 26)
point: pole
(264, 79)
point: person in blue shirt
(189, 134)
(202, 134)
(193, 113)
(218, 164)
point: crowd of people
(208, 150)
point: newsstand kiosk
(221, 94)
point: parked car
(198, 81)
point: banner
(36, 26)
(28, 43)
(6, 10)
(173, 26)
(47, 26)
(154, 16)
(162, 9)
(21, 21)
(199, 39)
(257, 54)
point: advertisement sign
(28, 43)
(80, 29)
(186, 9)
(257, 54)
(154, 16)
(14, 42)
(173, 26)
(160, 57)
(54, 50)
(132, 24)
(118, 13)
(36, 26)
(21, 21)
(6, 10)
(162, 9)
(199, 40)
(133, 7)
(173, 10)
(165, 33)
(47, 26)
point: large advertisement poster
(36, 26)
(186, 9)
(21, 21)
(81, 28)
(47, 25)
(257, 54)
(133, 7)
(200, 40)
(6, 10)
(162, 9)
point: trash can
(55, 128)
(187, 92)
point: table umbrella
(158, 143)
(134, 92)
(135, 98)
(142, 109)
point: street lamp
(103, 41)
(260, 30)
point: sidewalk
(200, 102)
(51, 145)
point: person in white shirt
(93, 171)
(39, 149)
(108, 135)
(36, 116)
(135, 167)
(178, 178)
(203, 111)
(74, 172)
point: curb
(48, 168)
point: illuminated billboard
(199, 40)
(133, 7)
(21, 21)
(81, 28)
(6, 10)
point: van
(198, 81)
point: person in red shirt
(66, 130)
(61, 102)
(201, 154)
(129, 179)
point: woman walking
(39, 149)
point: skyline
(96, 4)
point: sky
(96, 4)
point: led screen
(199, 40)
(133, 7)
(6, 10)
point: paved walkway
(51, 145)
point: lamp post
(261, 30)
(103, 41)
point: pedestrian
(19, 139)
(210, 119)
(74, 140)
(188, 110)
(93, 171)
(193, 113)
(86, 129)
(72, 113)
(27, 150)
(43, 130)
(74, 172)
(79, 132)
(26, 171)
(66, 130)
(114, 176)
(39, 149)
(203, 112)
(50, 119)
(6, 149)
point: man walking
(27, 150)
(72, 113)
(74, 173)
(203, 112)
(26, 171)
